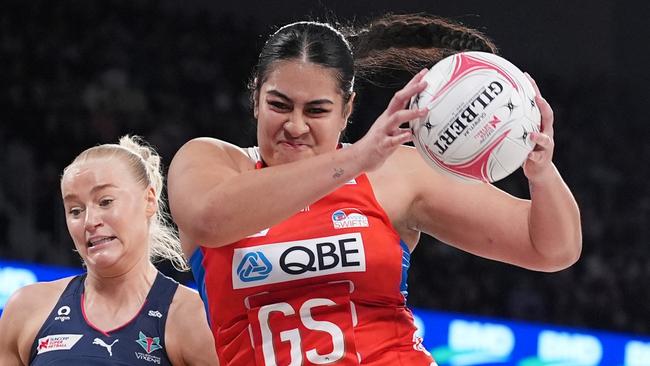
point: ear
(152, 202)
(347, 110)
(256, 104)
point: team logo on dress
(109, 347)
(149, 344)
(296, 260)
(62, 313)
(254, 267)
(349, 217)
(57, 342)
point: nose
(93, 220)
(296, 126)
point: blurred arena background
(77, 73)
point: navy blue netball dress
(67, 338)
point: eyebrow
(317, 101)
(93, 190)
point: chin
(285, 157)
(102, 261)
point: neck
(125, 289)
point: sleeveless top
(68, 338)
(326, 286)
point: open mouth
(98, 241)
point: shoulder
(407, 158)
(36, 297)
(187, 331)
(405, 166)
(186, 299)
(206, 161)
(208, 142)
(26, 311)
(397, 184)
(186, 308)
(424, 182)
(208, 148)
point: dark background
(77, 73)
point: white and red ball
(482, 110)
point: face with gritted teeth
(300, 112)
(107, 213)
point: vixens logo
(149, 344)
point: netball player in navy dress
(122, 311)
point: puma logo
(108, 347)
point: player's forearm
(554, 224)
(255, 200)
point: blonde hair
(144, 164)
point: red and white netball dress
(326, 286)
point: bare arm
(555, 226)
(543, 233)
(485, 221)
(23, 316)
(216, 197)
(187, 334)
(10, 335)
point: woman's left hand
(540, 160)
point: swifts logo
(290, 261)
(349, 217)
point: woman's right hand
(385, 134)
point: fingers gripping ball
(482, 110)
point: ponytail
(410, 43)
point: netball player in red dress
(301, 246)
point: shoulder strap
(74, 289)
(254, 153)
(162, 291)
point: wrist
(354, 157)
(544, 176)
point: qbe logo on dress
(253, 267)
(295, 260)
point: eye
(105, 202)
(279, 105)
(75, 211)
(316, 110)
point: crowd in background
(75, 74)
